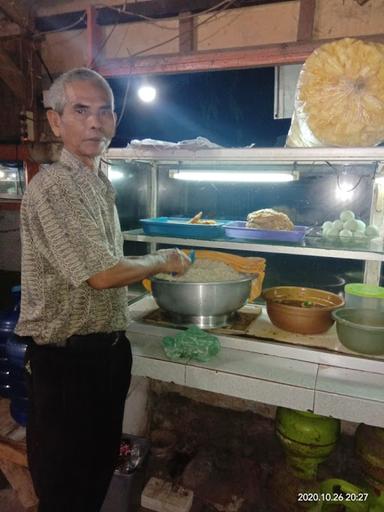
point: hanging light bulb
(147, 93)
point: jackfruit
(340, 96)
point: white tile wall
(349, 408)
(331, 384)
(250, 388)
(354, 383)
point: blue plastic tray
(238, 229)
(178, 226)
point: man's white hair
(56, 96)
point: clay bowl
(301, 310)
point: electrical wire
(217, 8)
(63, 29)
(142, 16)
(124, 104)
(216, 13)
(99, 50)
(153, 20)
(42, 61)
(338, 179)
(62, 41)
(225, 4)
(109, 162)
(209, 36)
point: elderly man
(74, 303)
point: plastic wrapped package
(340, 96)
(193, 343)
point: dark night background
(231, 108)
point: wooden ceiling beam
(20, 12)
(259, 56)
(137, 11)
(11, 75)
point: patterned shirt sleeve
(66, 231)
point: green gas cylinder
(307, 439)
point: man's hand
(174, 260)
(132, 270)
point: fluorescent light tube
(234, 176)
(114, 175)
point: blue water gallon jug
(15, 349)
(8, 320)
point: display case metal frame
(156, 156)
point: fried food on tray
(269, 219)
(198, 220)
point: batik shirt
(69, 232)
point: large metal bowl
(361, 330)
(204, 304)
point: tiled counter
(345, 386)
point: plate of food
(185, 227)
(266, 224)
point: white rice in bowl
(205, 271)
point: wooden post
(93, 36)
(186, 33)
(306, 20)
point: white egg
(347, 215)
(326, 225)
(326, 233)
(372, 231)
(337, 224)
(345, 236)
(376, 244)
(350, 225)
(361, 226)
(332, 233)
(359, 236)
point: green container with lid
(364, 296)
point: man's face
(87, 123)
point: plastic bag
(198, 143)
(193, 343)
(340, 96)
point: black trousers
(77, 395)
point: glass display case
(264, 365)
(318, 185)
(11, 180)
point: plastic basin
(360, 330)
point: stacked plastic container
(364, 296)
